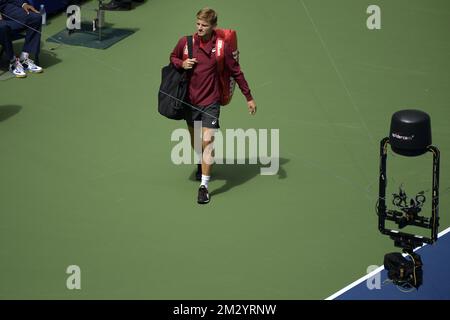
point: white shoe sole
(31, 71)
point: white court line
(379, 269)
(341, 78)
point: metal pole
(435, 194)
(382, 185)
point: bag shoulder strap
(190, 42)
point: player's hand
(251, 107)
(189, 63)
(28, 7)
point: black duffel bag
(173, 89)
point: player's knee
(207, 140)
(208, 137)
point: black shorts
(209, 116)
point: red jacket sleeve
(235, 69)
(177, 54)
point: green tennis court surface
(86, 177)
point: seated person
(17, 15)
(119, 4)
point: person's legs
(209, 117)
(191, 132)
(198, 174)
(192, 115)
(207, 162)
(5, 40)
(19, 20)
(208, 150)
(32, 43)
(15, 67)
(210, 123)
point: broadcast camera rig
(410, 135)
(409, 214)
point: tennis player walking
(204, 90)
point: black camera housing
(410, 132)
(402, 271)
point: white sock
(205, 180)
(24, 56)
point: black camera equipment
(409, 214)
(410, 135)
(402, 271)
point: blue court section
(436, 278)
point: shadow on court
(238, 174)
(49, 58)
(8, 111)
(137, 4)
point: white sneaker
(16, 69)
(30, 66)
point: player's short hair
(208, 15)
